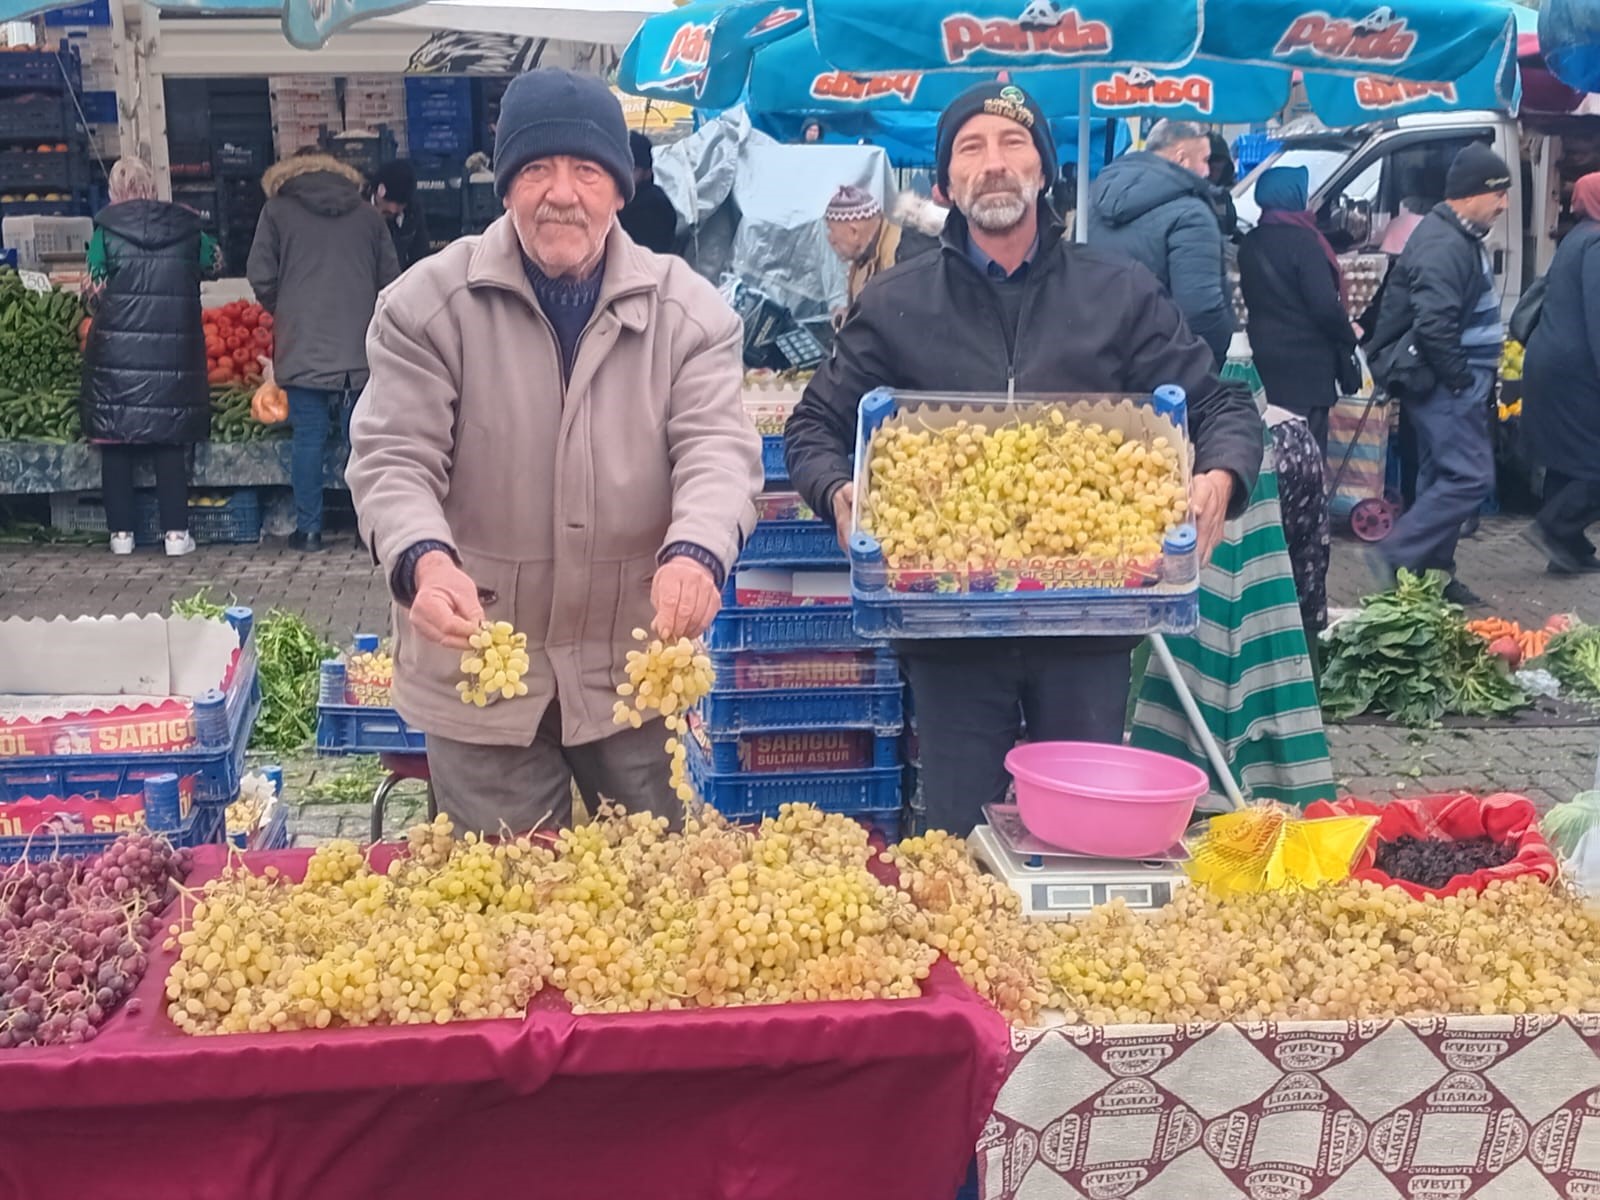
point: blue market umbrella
(1128, 57)
(1569, 37)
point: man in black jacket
(1437, 346)
(649, 218)
(1004, 305)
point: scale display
(1057, 884)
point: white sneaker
(179, 543)
(122, 543)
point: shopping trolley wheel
(1371, 520)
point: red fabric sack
(1504, 817)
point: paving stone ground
(341, 592)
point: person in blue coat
(1155, 207)
(1561, 393)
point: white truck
(1370, 185)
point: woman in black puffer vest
(144, 364)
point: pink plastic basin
(1113, 801)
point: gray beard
(998, 211)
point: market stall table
(877, 1101)
(1492, 1108)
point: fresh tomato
(262, 338)
(241, 358)
(266, 320)
(220, 375)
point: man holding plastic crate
(1008, 304)
(552, 436)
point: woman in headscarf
(1294, 290)
(1561, 392)
(145, 392)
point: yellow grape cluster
(1349, 950)
(618, 915)
(966, 496)
(494, 665)
(976, 921)
(669, 678)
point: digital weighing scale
(1056, 884)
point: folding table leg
(380, 800)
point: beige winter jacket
(557, 499)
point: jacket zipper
(1013, 342)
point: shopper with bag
(1561, 392)
(1300, 335)
(1437, 348)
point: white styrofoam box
(35, 237)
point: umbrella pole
(1219, 764)
(1080, 219)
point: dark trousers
(971, 698)
(172, 486)
(1570, 506)
(1317, 422)
(1455, 475)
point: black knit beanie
(1476, 170)
(551, 111)
(1001, 100)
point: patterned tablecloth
(1469, 1108)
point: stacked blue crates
(803, 711)
(210, 771)
(439, 118)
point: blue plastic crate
(97, 13)
(237, 522)
(877, 708)
(212, 770)
(805, 670)
(793, 544)
(82, 845)
(1025, 600)
(99, 108)
(42, 69)
(847, 792)
(802, 627)
(772, 464)
(356, 729)
(725, 743)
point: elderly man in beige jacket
(552, 436)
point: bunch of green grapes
(1350, 950)
(618, 915)
(970, 497)
(494, 665)
(669, 678)
(976, 921)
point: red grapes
(1434, 862)
(75, 935)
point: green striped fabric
(1248, 668)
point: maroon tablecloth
(848, 1101)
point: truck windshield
(1320, 161)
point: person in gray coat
(1155, 206)
(320, 257)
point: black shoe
(1562, 560)
(1585, 566)
(1457, 592)
(306, 543)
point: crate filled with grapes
(369, 673)
(991, 516)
